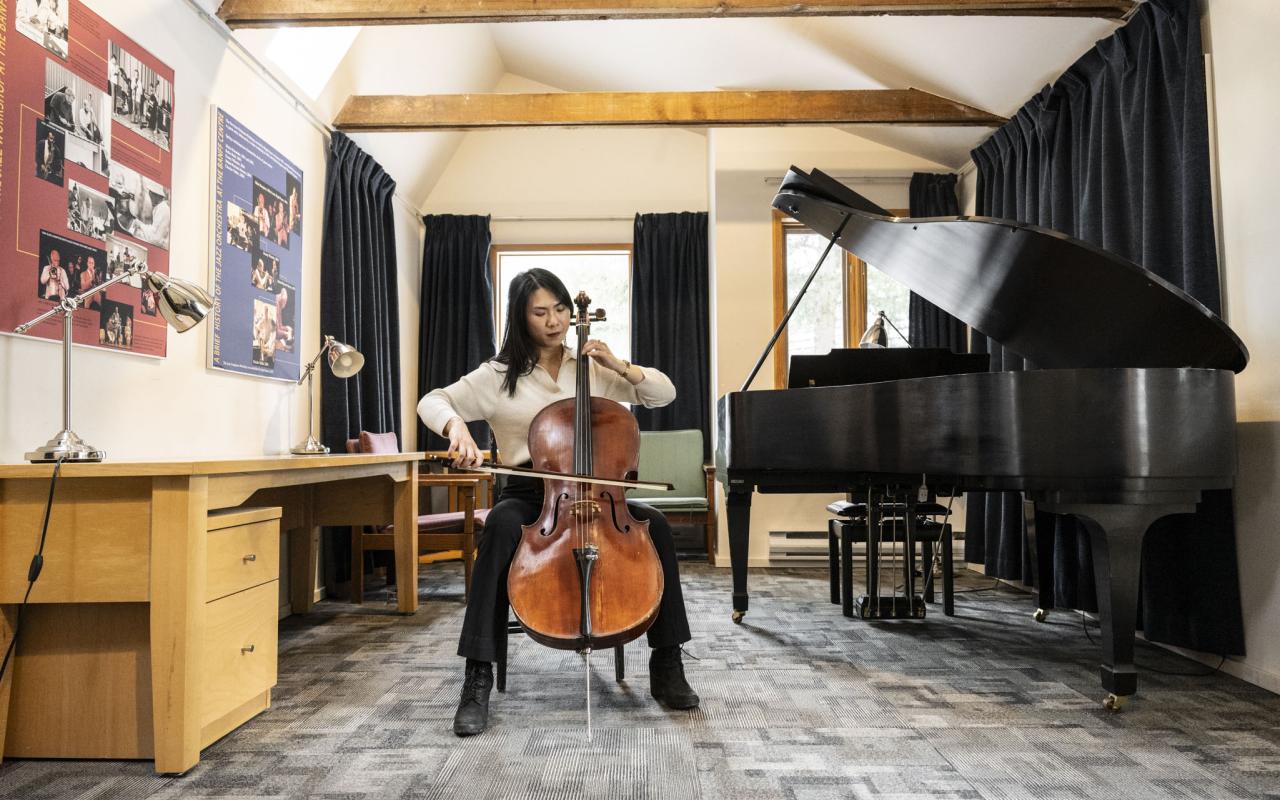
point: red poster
(86, 174)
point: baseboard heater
(798, 546)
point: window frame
(855, 296)
(497, 250)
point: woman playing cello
(533, 369)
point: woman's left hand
(600, 352)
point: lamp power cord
(33, 571)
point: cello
(585, 574)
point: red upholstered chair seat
(451, 520)
(446, 522)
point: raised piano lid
(1055, 300)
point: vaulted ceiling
(992, 63)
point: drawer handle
(251, 557)
(248, 649)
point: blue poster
(257, 254)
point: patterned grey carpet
(797, 702)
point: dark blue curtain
(671, 317)
(359, 302)
(1116, 153)
(929, 326)
(456, 331)
(359, 305)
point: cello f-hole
(613, 510)
(555, 514)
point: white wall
(1241, 36)
(414, 59)
(741, 161)
(583, 185)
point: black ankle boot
(666, 679)
(473, 708)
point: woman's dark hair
(519, 353)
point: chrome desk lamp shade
(876, 335)
(344, 361)
(183, 305)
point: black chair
(852, 525)
(511, 626)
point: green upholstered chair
(676, 457)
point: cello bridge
(583, 509)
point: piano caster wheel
(1115, 703)
(1041, 615)
(738, 615)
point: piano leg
(738, 504)
(847, 536)
(948, 574)
(926, 573)
(909, 555)
(833, 558)
(1041, 560)
(1115, 535)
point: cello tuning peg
(598, 316)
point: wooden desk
(110, 660)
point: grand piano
(1126, 417)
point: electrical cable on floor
(1084, 624)
(33, 571)
(990, 588)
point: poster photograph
(84, 189)
(45, 23)
(74, 104)
(141, 99)
(51, 149)
(88, 211)
(67, 267)
(257, 257)
(123, 256)
(141, 206)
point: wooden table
(111, 659)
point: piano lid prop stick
(799, 295)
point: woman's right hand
(465, 451)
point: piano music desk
(122, 649)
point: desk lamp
(876, 335)
(182, 303)
(344, 361)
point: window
(844, 297)
(602, 271)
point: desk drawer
(239, 649)
(242, 556)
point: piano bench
(858, 510)
(843, 533)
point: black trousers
(519, 504)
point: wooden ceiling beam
(273, 13)
(452, 112)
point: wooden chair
(451, 530)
